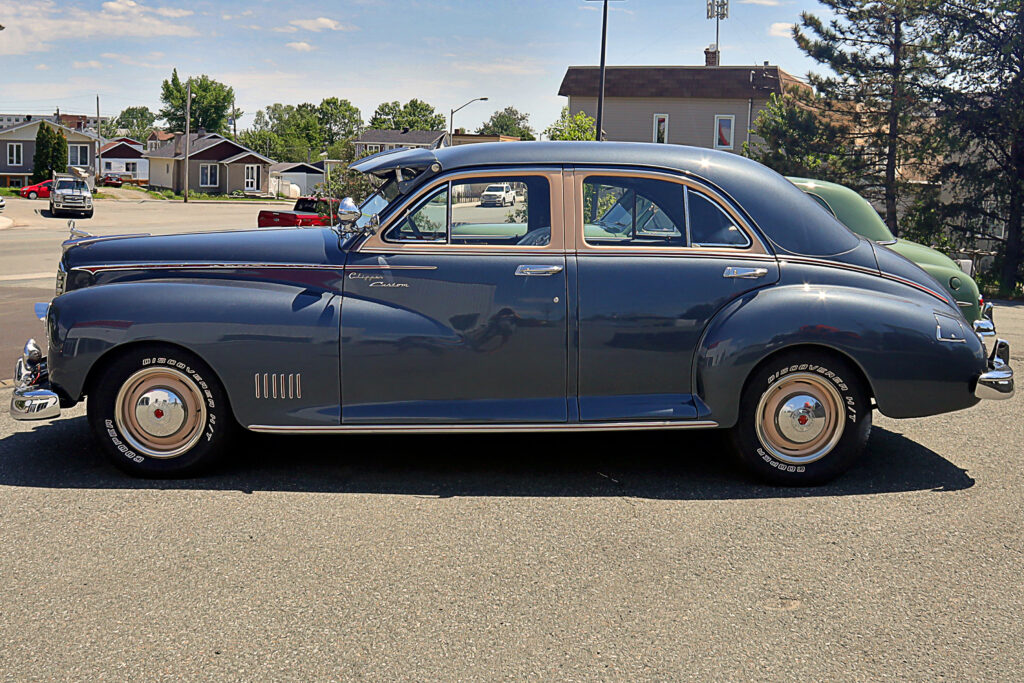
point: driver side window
(428, 222)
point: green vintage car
(859, 216)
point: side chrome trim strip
(481, 428)
(206, 266)
(388, 267)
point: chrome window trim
(404, 213)
(700, 245)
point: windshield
(71, 185)
(494, 188)
(376, 202)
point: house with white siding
(123, 156)
(18, 148)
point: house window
(372, 149)
(14, 157)
(78, 155)
(725, 125)
(208, 175)
(660, 128)
(131, 167)
(107, 166)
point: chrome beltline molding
(207, 266)
(481, 428)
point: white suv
(500, 194)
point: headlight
(954, 282)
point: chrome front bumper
(997, 382)
(32, 398)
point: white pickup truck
(500, 194)
(69, 194)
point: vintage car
(635, 286)
(858, 215)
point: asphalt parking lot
(632, 556)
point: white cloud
(766, 3)
(91, 64)
(320, 24)
(594, 7)
(41, 67)
(285, 29)
(301, 46)
(145, 61)
(781, 29)
(33, 25)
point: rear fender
(890, 336)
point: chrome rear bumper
(997, 382)
(32, 398)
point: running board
(481, 428)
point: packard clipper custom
(626, 286)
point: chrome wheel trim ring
(174, 432)
(779, 426)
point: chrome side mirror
(348, 213)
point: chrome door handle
(745, 273)
(528, 271)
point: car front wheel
(804, 419)
(32, 195)
(159, 411)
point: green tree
(51, 155)
(138, 121)
(508, 121)
(339, 120)
(211, 103)
(414, 115)
(982, 119)
(796, 140)
(883, 57)
(576, 126)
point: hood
(293, 246)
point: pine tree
(883, 56)
(51, 155)
(982, 118)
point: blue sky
(368, 51)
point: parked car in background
(70, 196)
(641, 287)
(115, 180)
(38, 190)
(500, 194)
(858, 215)
(307, 212)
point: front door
(456, 311)
(252, 178)
(656, 260)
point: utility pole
(188, 130)
(99, 147)
(599, 133)
(234, 117)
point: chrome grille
(278, 385)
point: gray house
(216, 165)
(373, 140)
(18, 148)
(703, 106)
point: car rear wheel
(159, 411)
(33, 194)
(804, 419)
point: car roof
(849, 207)
(793, 222)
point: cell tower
(718, 10)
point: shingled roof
(709, 82)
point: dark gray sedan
(631, 286)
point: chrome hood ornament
(75, 232)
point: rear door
(657, 257)
(456, 312)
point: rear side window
(626, 211)
(510, 211)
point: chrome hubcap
(160, 412)
(800, 418)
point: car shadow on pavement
(655, 465)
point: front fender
(887, 330)
(249, 333)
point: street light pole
(451, 116)
(188, 131)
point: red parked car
(307, 212)
(38, 190)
